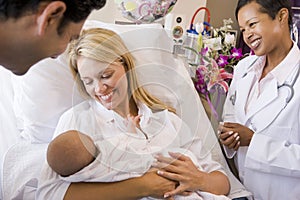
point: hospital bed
(32, 104)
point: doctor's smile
(255, 44)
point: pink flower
(202, 54)
(203, 51)
(215, 76)
(222, 60)
(236, 53)
(200, 80)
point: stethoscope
(290, 85)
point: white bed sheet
(23, 162)
(9, 133)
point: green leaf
(193, 50)
(209, 66)
(207, 59)
(193, 64)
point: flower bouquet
(216, 56)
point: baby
(71, 151)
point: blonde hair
(106, 46)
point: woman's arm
(51, 186)
(149, 184)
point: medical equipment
(232, 98)
(191, 40)
(290, 86)
(175, 26)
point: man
(34, 30)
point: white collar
(110, 115)
(283, 70)
(102, 112)
(287, 65)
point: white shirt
(164, 129)
(280, 73)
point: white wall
(222, 10)
(189, 7)
(110, 13)
(106, 14)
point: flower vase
(213, 106)
(205, 104)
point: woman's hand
(181, 169)
(155, 185)
(234, 135)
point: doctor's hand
(234, 135)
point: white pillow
(137, 37)
(8, 131)
(41, 96)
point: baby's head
(70, 152)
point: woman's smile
(106, 97)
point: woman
(105, 72)
(261, 112)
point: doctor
(262, 110)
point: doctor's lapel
(268, 106)
(243, 87)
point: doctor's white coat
(270, 166)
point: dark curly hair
(77, 10)
(270, 7)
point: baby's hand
(133, 122)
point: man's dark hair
(77, 10)
(270, 7)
